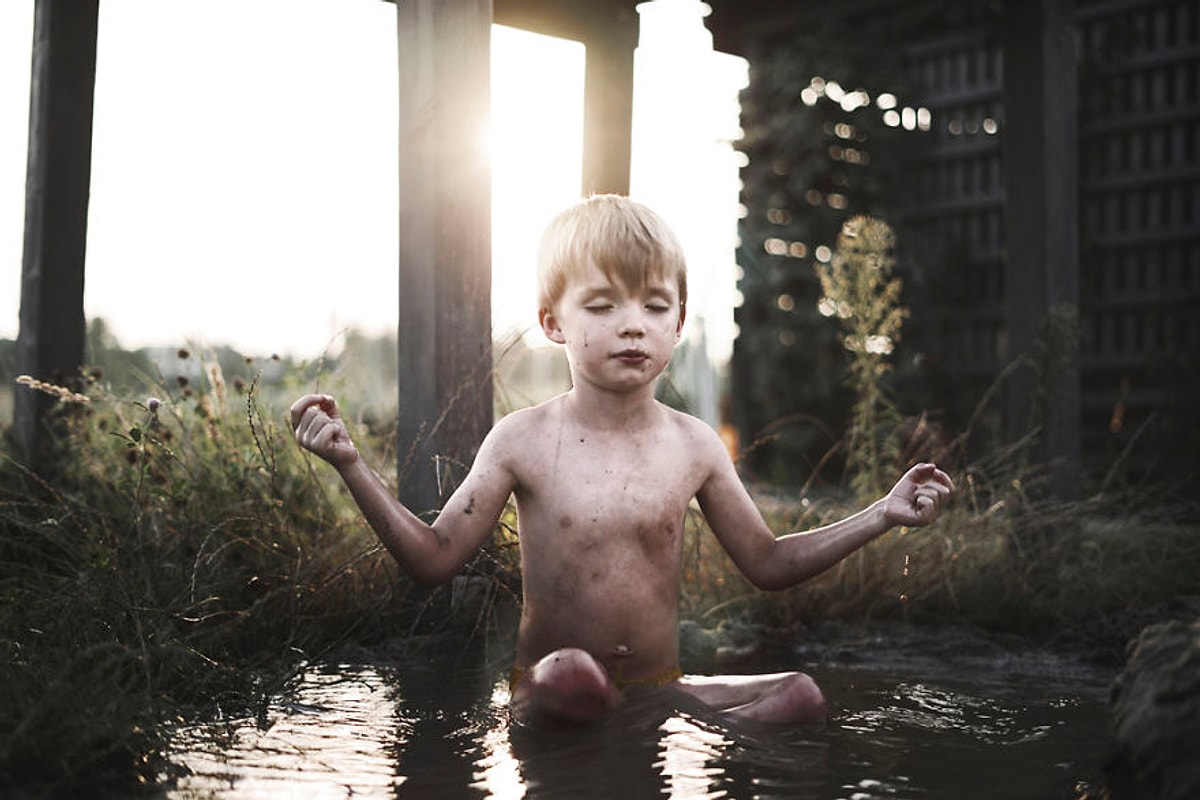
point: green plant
(187, 557)
(1109, 562)
(860, 291)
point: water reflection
(424, 729)
(689, 756)
(337, 737)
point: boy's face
(617, 337)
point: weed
(185, 561)
(861, 293)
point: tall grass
(994, 560)
(185, 559)
(863, 295)
(1005, 555)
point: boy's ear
(682, 317)
(550, 327)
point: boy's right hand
(318, 428)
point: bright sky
(244, 169)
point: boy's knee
(569, 668)
(805, 696)
(567, 684)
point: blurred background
(244, 199)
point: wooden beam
(1042, 223)
(609, 31)
(608, 108)
(52, 329)
(444, 331)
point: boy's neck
(611, 410)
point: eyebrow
(606, 287)
(664, 292)
(596, 290)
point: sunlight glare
(16, 33)
(689, 757)
(686, 119)
(537, 158)
(243, 166)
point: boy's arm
(434, 553)
(776, 563)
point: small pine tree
(860, 291)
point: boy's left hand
(918, 497)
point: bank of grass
(184, 560)
(1086, 573)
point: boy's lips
(631, 356)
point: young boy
(602, 476)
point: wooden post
(52, 329)
(1042, 221)
(608, 109)
(444, 330)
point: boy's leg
(566, 685)
(777, 697)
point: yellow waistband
(653, 682)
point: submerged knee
(569, 668)
(567, 684)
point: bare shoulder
(701, 441)
(519, 432)
(525, 421)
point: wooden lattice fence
(1139, 222)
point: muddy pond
(959, 722)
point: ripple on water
(421, 731)
(337, 736)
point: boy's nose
(633, 326)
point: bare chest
(591, 494)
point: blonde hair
(623, 238)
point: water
(431, 728)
